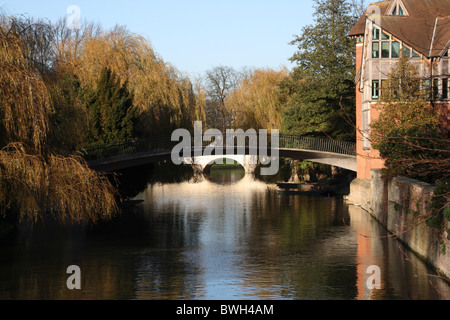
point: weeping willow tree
(36, 186)
(47, 72)
(256, 102)
(166, 99)
(34, 181)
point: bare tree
(358, 7)
(220, 81)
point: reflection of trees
(226, 176)
(38, 260)
(136, 253)
(290, 248)
(283, 175)
(186, 237)
(133, 181)
(165, 269)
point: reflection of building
(418, 28)
(365, 255)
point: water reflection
(250, 242)
(223, 236)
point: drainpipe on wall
(432, 60)
(432, 83)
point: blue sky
(195, 35)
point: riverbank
(402, 206)
(232, 166)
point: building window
(375, 89)
(376, 34)
(444, 88)
(375, 50)
(406, 51)
(398, 10)
(436, 89)
(395, 49)
(366, 129)
(385, 48)
(426, 88)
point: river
(228, 236)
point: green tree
(111, 110)
(70, 119)
(321, 89)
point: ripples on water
(227, 236)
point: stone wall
(402, 205)
(360, 193)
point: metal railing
(126, 148)
(239, 140)
(317, 144)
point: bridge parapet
(164, 144)
(136, 152)
(317, 144)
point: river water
(228, 236)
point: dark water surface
(227, 236)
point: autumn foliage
(257, 101)
(62, 90)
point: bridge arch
(203, 164)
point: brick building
(417, 28)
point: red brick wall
(366, 160)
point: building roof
(426, 28)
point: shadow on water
(132, 181)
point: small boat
(303, 193)
(290, 186)
(303, 189)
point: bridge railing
(105, 151)
(317, 144)
(240, 140)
